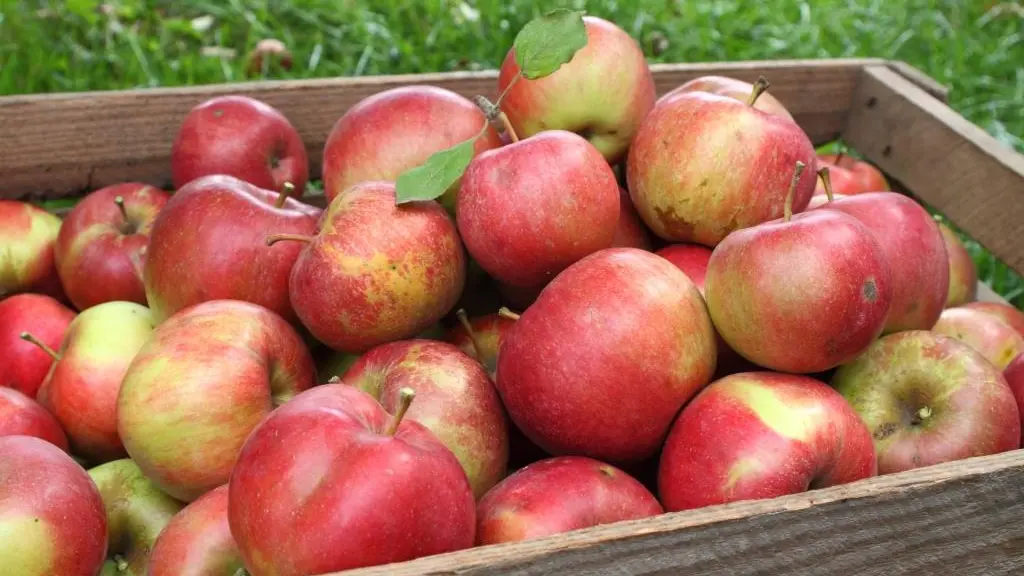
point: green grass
(976, 46)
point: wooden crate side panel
(65, 144)
(943, 159)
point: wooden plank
(937, 90)
(63, 144)
(959, 518)
(942, 158)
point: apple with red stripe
(23, 416)
(733, 88)
(46, 320)
(997, 341)
(1006, 312)
(963, 275)
(852, 175)
(28, 234)
(197, 541)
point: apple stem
(464, 320)
(760, 86)
(50, 351)
(508, 128)
(275, 238)
(405, 396)
(119, 200)
(287, 190)
(826, 181)
(506, 313)
(787, 209)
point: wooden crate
(961, 518)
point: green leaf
(547, 42)
(430, 179)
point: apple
(28, 234)
(23, 365)
(601, 363)
(556, 495)
(927, 399)
(630, 231)
(205, 378)
(81, 387)
(398, 494)
(455, 400)
(915, 251)
(239, 136)
(603, 93)
(963, 275)
(819, 200)
(197, 541)
(481, 337)
(852, 175)
(41, 489)
(528, 210)
(225, 257)
(1005, 312)
(995, 339)
(394, 130)
(733, 88)
(758, 435)
(375, 272)
(1014, 375)
(704, 165)
(137, 512)
(801, 294)
(23, 416)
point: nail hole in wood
(872, 102)
(887, 151)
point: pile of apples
(622, 306)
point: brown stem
(508, 128)
(275, 238)
(50, 351)
(283, 195)
(826, 181)
(787, 209)
(760, 86)
(119, 200)
(506, 313)
(464, 320)
(405, 396)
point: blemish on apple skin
(870, 291)
(885, 430)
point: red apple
(394, 130)
(101, 247)
(206, 377)
(928, 398)
(757, 435)
(82, 386)
(23, 365)
(1014, 375)
(802, 294)
(1005, 312)
(963, 275)
(819, 200)
(603, 93)
(51, 515)
(239, 136)
(611, 397)
(842, 181)
(528, 210)
(733, 88)
(996, 340)
(630, 231)
(915, 251)
(557, 495)
(197, 541)
(481, 337)
(376, 272)
(23, 416)
(398, 494)
(28, 234)
(852, 175)
(225, 257)
(704, 165)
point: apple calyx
(405, 397)
(826, 181)
(921, 415)
(787, 210)
(122, 564)
(506, 313)
(275, 238)
(760, 86)
(287, 189)
(28, 337)
(463, 318)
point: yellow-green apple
(1014, 375)
(225, 257)
(481, 337)
(81, 387)
(602, 94)
(205, 378)
(1006, 312)
(137, 512)
(559, 494)
(851, 175)
(101, 246)
(52, 520)
(375, 272)
(704, 165)
(28, 234)
(803, 294)
(928, 398)
(963, 275)
(630, 231)
(239, 136)
(23, 416)
(612, 398)
(23, 365)
(990, 335)
(454, 399)
(756, 435)
(330, 481)
(528, 210)
(197, 541)
(394, 130)
(733, 88)
(915, 251)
